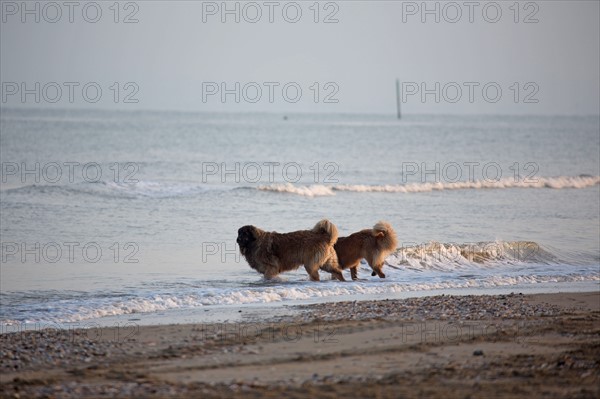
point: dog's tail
(325, 226)
(386, 236)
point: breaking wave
(69, 312)
(160, 189)
(426, 267)
(317, 190)
(451, 256)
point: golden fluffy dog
(374, 245)
(271, 253)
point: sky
(464, 57)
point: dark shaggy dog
(271, 253)
(374, 245)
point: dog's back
(353, 248)
(271, 253)
(371, 244)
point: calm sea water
(113, 213)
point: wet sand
(542, 345)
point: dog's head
(246, 237)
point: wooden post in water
(398, 99)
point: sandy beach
(543, 345)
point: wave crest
(317, 190)
(451, 257)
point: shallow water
(133, 212)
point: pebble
(34, 350)
(442, 307)
(30, 350)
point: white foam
(430, 266)
(397, 281)
(316, 190)
(452, 257)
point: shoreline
(505, 345)
(247, 312)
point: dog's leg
(335, 272)
(338, 275)
(377, 270)
(332, 266)
(313, 272)
(270, 275)
(354, 272)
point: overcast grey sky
(178, 54)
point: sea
(112, 217)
